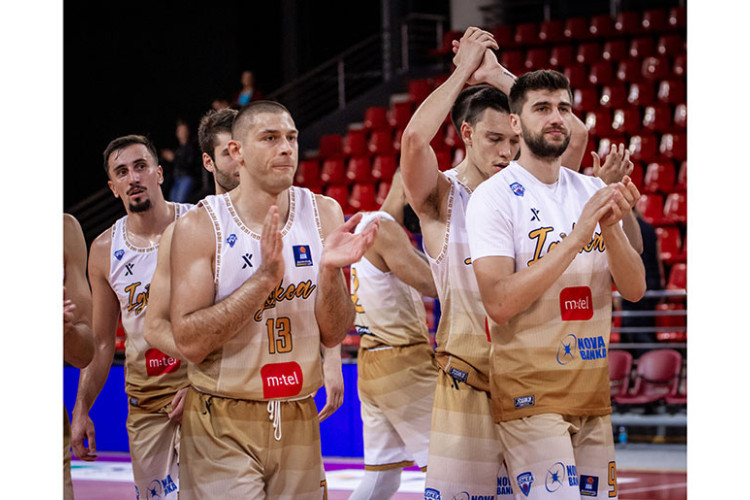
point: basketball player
(256, 286)
(121, 263)
(78, 342)
(395, 363)
(465, 454)
(214, 133)
(546, 246)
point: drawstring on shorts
(274, 413)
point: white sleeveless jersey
(461, 337)
(149, 374)
(553, 355)
(388, 311)
(276, 355)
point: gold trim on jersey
(233, 213)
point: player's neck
(252, 205)
(146, 227)
(469, 174)
(547, 170)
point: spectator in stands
(546, 248)
(121, 264)
(219, 103)
(78, 340)
(248, 91)
(183, 163)
(387, 286)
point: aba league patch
(517, 189)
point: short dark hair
(487, 97)
(247, 113)
(213, 123)
(125, 141)
(543, 79)
(458, 110)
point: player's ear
(466, 132)
(515, 123)
(160, 171)
(235, 151)
(208, 163)
(112, 188)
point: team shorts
(396, 391)
(572, 457)
(239, 449)
(154, 452)
(466, 456)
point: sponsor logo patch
(524, 481)
(431, 494)
(232, 239)
(523, 402)
(575, 304)
(457, 374)
(281, 380)
(302, 255)
(517, 189)
(589, 486)
(503, 486)
(158, 363)
(119, 254)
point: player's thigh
(154, 442)
(595, 457)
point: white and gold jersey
(149, 374)
(276, 356)
(463, 349)
(389, 312)
(552, 357)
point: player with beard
(547, 245)
(121, 264)
(464, 452)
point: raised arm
(334, 309)
(403, 260)
(78, 339)
(105, 312)
(419, 166)
(157, 325)
(199, 325)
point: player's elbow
(413, 140)
(633, 292)
(191, 351)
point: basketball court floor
(645, 472)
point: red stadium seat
(576, 29)
(677, 279)
(397, 139)
(620, 366)
(615, 50)
(588, 52)
(670, 244)
(537, 58)
(340, 193)
(681, 184)
(551, 31)
(655, 68)
(505, 35)
(380, 142)
(674, 146)
(383, 188)
(671, 45)
(659, 177)
(627, 120)
(657, 117)
(446, 45)
(577, 75)
(672, 91)
(651, 207)
(419, 89)
(675, 208)
(629, 71)
(679, 66)
(637, 175)
(642, 93)
(308, 173)
(680, 398)
(643, 147)
(641, 47)
(527, 34)
(376, 118)
(333, 171)
(601, 73)
(602, 26)
(669, 315)
(654, 20)
(355, 142)
(584, 99)
(330, 145)
(561, 56)
(383, 167)
(628, 23)
(677, 17)
(680, 117)
(514, 60)
(657, 375)
(598, 121)
(358, 169)
(363, 197)
(400, 114)
(452, 138)
(444, 159)
(614, 95)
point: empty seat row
(658, 377)
(660, 210)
